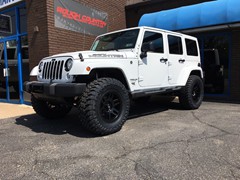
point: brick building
(57, 40)
(31, 30)
(34, 22)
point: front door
(153, 69)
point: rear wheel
(191, 95)
(104, 106)
(49, 110)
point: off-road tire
(191, 95)
(49, 110)
(104, 106)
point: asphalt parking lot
(159, 141)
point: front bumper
(55, 89)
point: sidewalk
(14, 110)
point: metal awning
(214, 13)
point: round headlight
(68, 64)
(40, 67)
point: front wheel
(49, 110)
(191, 95)
(104, 106)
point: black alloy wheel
(104, 106)
(110, 107)
(196, 92)
(191, 95)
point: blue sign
(5, 3)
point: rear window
(191, 46)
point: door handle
(6, 72)
(163, 60)
(181, 60)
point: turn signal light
(88, 68)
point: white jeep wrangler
(128, 64)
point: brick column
(38, 38)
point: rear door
(192, 52)
(177, 59)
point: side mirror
(145, 48)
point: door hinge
(169, 78)
(140, 79)
(140, 63)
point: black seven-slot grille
(53, 69)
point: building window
(175, 44)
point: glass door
(215, 54)
(216, 63)
(3, 78)
(9, 70)
(12, 62)
(25, 66)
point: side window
(175, 45)
(191, 46)
(155, 41)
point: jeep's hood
(97, 55)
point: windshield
(115, 41)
